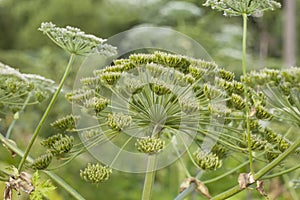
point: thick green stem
(11, 126)
(46, 113)
(149, 178)
(244, 66)
(260, 173)
(52, 175)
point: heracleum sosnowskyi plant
(147, 103)
(16, 93)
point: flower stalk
(244, 65)
(149, 178)
(46, 113)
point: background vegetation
(25, 48)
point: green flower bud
(118, 121)
(67, 123)
(238, 87)
(177, 62)
(95, 173)
(51, 140)
(133, 86)
(262, 113)
(189, 105)
(97, 104)
(90, 133)
(207, 161)
(58, 144)
(257, 142)
(110, 77)
(91, 81)
(62, 146)
(197, 72)
(141, 59)
(228, 86)
(42, 162)
(238, 102)
(271, 155)
(226, 75)
(285, 88)
(220, 151)
(211, 92)
(80, 96)
(150, 145)
(160, 87)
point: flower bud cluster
(95, 173)
(118, 121)
(42, 162)
(150, 145)
(207, 161)
(67, 123)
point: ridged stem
(149, 178)
(46, 113)
(244, 66)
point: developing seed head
(189, 105)
(62, 146)
(67, 123)
(95, 173)
(42, 162)
(150, 145)
(133, 85)
(220, 151)
(238, 101)
(160, 87)
(110, 78)
(257, 142)
(51, 140)
(226, 75)
(97, 104)
(80, 96)
(58, 144)
(207, 161)
(75, 41)
(211, 92)
(262, 113)
(118, 121)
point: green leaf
(41, 188)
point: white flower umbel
(240, 7)
(74, 40)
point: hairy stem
(12, 124)
(52, 175)
(149, 178)
(244, 65)
(261, 173)
(46, 113)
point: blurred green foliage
(25, 48)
